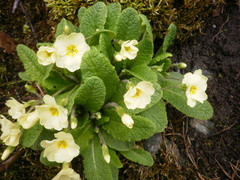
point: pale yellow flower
(139, 96)
(16, 110)
(52, 115)
(67, 174)
(28, 120)
(128, 50)
(62, 149)
(196, 86)
(70, 49)
(46, 55)
(11, 132)
(127, 120)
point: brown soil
(196, 155)
(215, 155)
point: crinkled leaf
(66, 99)
(82, 135)
(176, 96)
(145, 52)
(55, 82)
(116, 143)
(143, 128)
(114, 10)
(33, 70)
(147, 32)
(96, 64)
(95, 39)
(160, 57)
(143, 72)
(65, 27)
(158, 115)
(44, 135)
(168, 39)
(94, 18)
(139, 155)
(105, 43)
(129, 25)
(81, 13)
(91, 94)
(114, 160)
(31, 135)
(95, 167)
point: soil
(193, 149)
(213, 146)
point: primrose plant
(101, 89)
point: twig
(220, 28)
(235, 169)
(225, 129)
(230, 177)
(6, 164)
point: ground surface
(201, 149)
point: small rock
(202, 126)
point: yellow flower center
(138, 93)
(48, 54)
(193, 90)
(62, 144)
(72, 50)
(126, 48)
(54, 111)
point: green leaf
(95, 167)
(33, 70)
(94, 18)
(114, 11)
(168, 39)
(91, 94)
(65, 27)
(176, 96)
(143, 72)
(158, 115)
(139, 156)
(55, 82)
(31, 135)
(116, 143)
(82, 135)
(95, 39)
(145, 52)
(143, 128)
(44, 135)
(96, 64)
(147, 33)
(105, 43)
(81, 13)
(114, 160)
(160, 57)
(129, 25)
(66, 99)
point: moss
(189, 16)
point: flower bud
(30, 89)
(7, 152)
(105, 152)
(73, 122)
